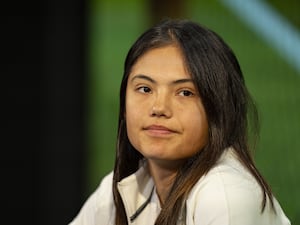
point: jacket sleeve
(99, 208)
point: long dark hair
(219, 80)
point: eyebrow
(145, 77)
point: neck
(163, 177)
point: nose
(161, 106)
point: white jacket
(227, 195)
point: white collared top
(227, 195)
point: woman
(183, 154)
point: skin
(166, 121)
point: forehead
(163, 62)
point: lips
(158, 130)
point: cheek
(197, 128)
(131, 110)
(132, 119)
(130, 127)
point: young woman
(183, 154)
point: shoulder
(228, 192)
(99, 206)
(103, 193)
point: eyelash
(144, 89)
(184, 93)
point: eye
(144, 89)
(186, 93)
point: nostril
(157, 111)
(161, 106)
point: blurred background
(63, 65)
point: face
(165, 119)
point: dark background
(43, 73)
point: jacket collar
(136, 189)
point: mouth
(159, 130)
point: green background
(113, 27)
